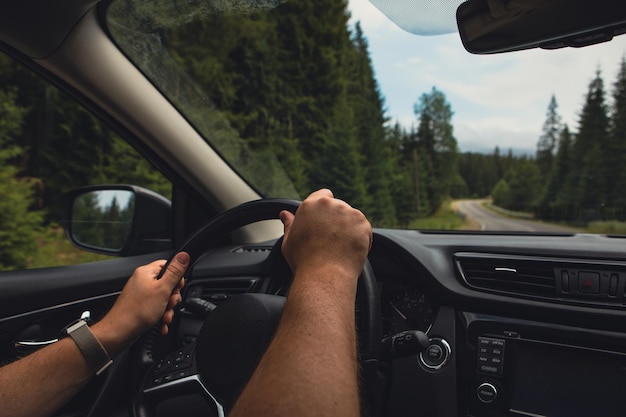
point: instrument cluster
(406, 308)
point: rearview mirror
(493, 26)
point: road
(490, 221)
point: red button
(589, 282)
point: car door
(50, 145)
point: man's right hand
(325, 233)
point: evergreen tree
(558, 199)
(589, 153)
(343, 163)
(19, 223)
(518, 190)
(498, 163)
(402, 185)
(616, 149)
(479, 173)
(501, 194)
(367, 104)
(546, 147)
(436, 146)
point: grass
(607, 227)
(445, 218)
(54, 249)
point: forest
(576, 175)
(300, 85)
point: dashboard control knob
(436, 355)
(487, 393)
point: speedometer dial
(407, 309)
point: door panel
(38, 304)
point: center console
(524, 368)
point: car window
(50, 145)
(412, 129)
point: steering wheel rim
(367, 306)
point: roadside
(445, 218)
(468, 222)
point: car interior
(450, 322)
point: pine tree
(479, 172)
(402, 185)
(556, 202)
(19, 222)
(616, 149)
(546, 147)
(523, 181)
(343, 163)
(435, 142)
(589, 153)
(367, 104)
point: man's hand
(42, 382)
(302, 373)
(143, 302)
(325, 233)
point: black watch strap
(89, 345)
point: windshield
(405, 125)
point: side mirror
(494, 26)
(120, 220)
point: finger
(176, 269)
(323, 192)
(164, 329)
(168, 316)
(287, 218)
(174, 300)
(181, 284)
(155, 266)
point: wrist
(90, 346)
(339, 278)
(112, 336)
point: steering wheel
(235, 335)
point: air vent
(219, 289)
(252, 249)
(511, 275)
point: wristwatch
(89, 345)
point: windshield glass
(407, 126)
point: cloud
(494, 97)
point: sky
(497, 100)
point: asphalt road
(490, 221)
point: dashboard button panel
(490, 355)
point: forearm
(43, 381)
(310, 368)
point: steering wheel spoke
(177, 374)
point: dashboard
(534, 325)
